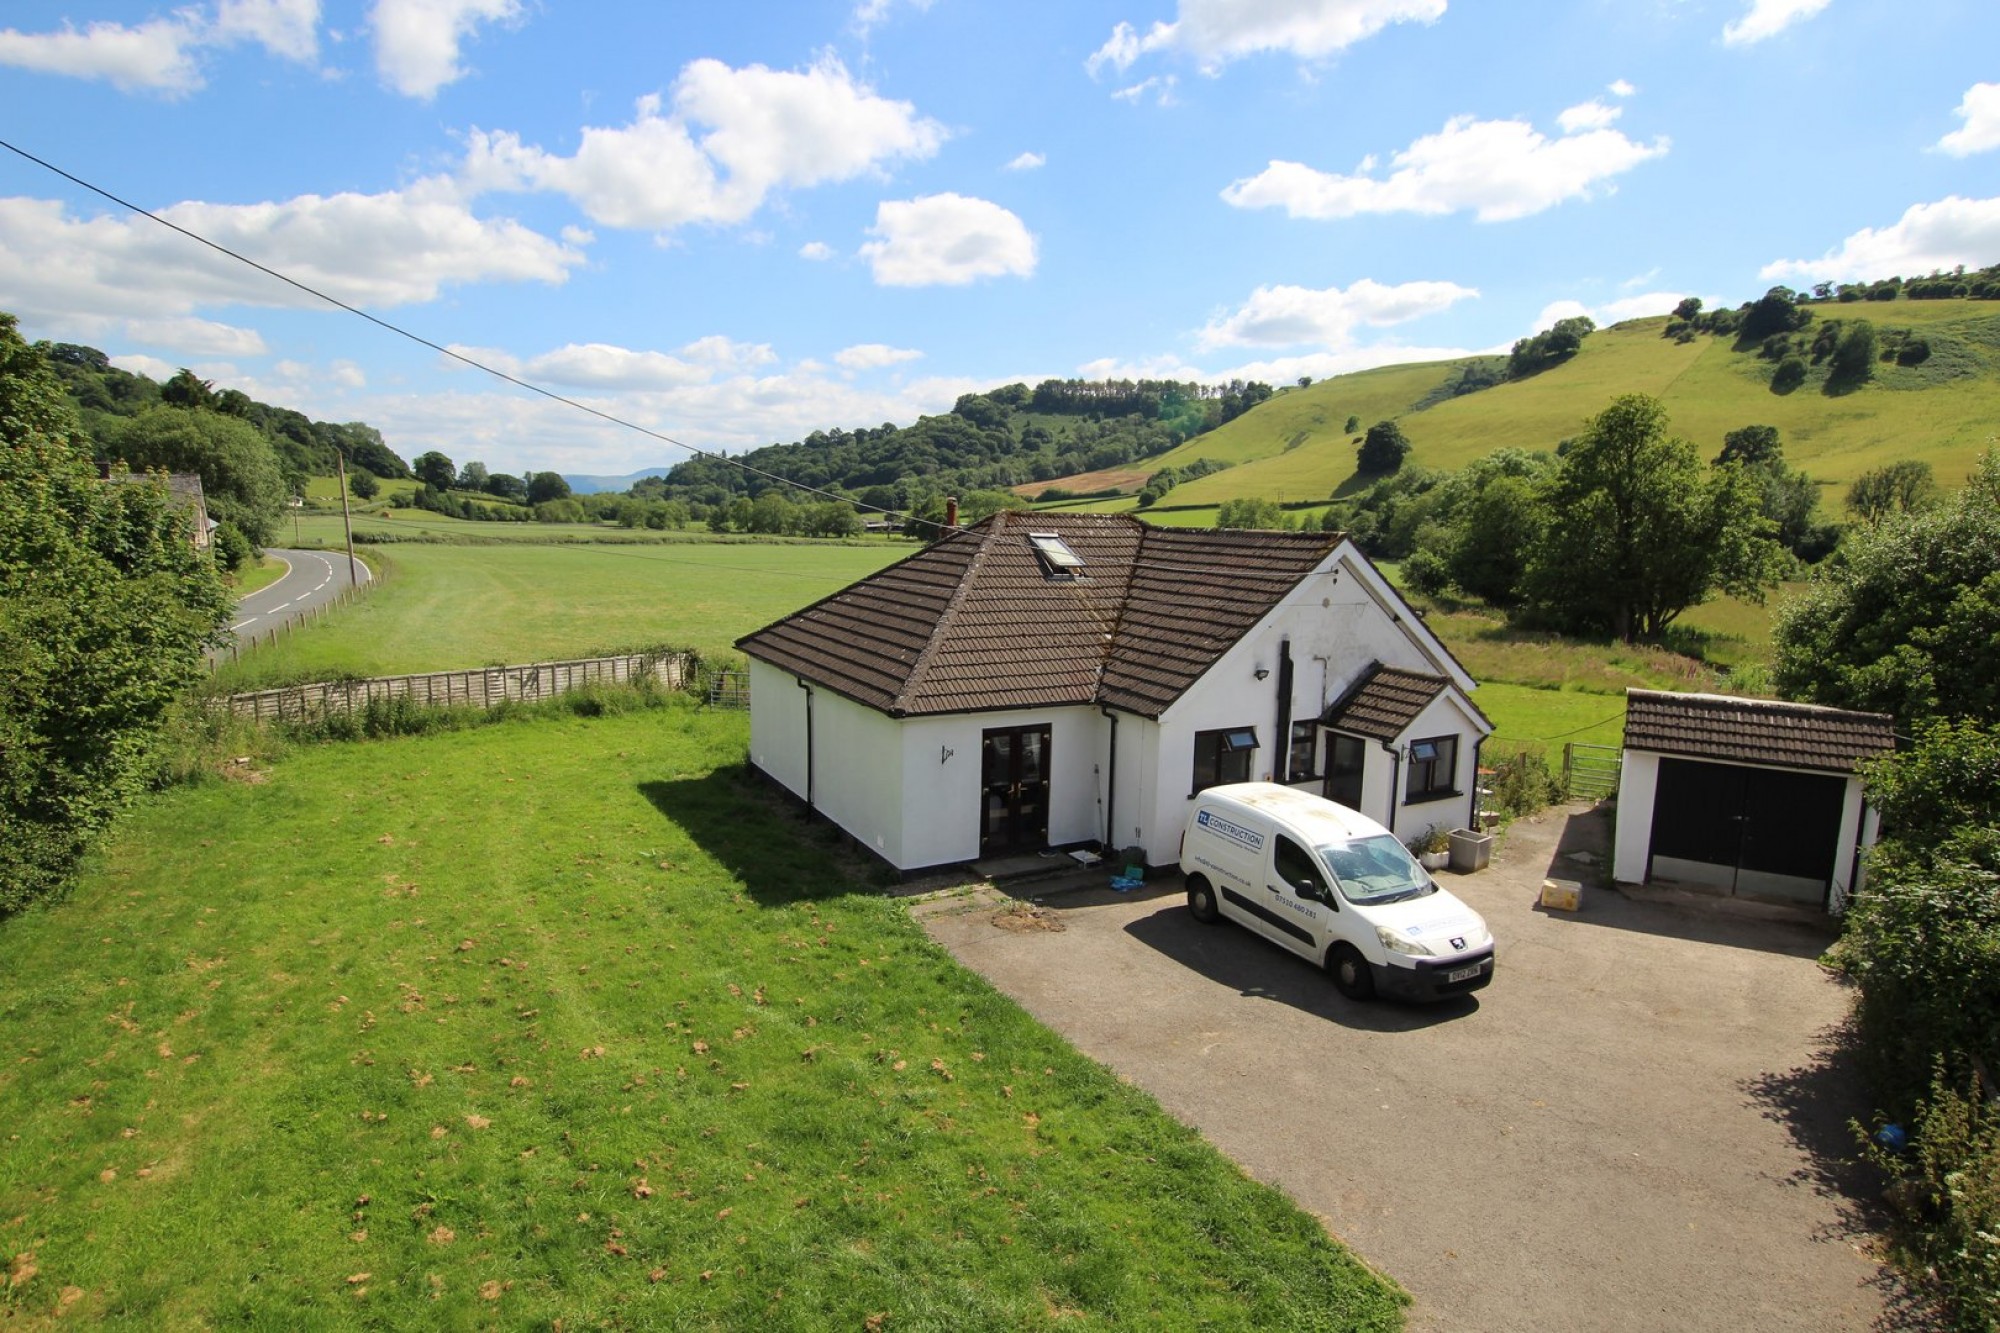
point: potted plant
(1432, 847)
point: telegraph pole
(346, 519)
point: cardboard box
(1562, 897)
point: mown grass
(262, 574)
(563, 1021)
(441, 607)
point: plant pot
(1433, 860)
(1470, 851)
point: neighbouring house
(1754, 796)
(183, 488)
(1062, 680)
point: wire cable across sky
(460, 357)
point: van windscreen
(1375, 870)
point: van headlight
(1397, 942)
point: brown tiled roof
(974, 622)
(1193, 594)
(1383, 702)
(1754, 731)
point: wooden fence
(482, 688)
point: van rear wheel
(1201, 900)
(1351, 976)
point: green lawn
(1552, 718)
(262, 574)
(563, 1022)
(441, 607)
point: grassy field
(442, 607)
(561, 1021)
(1944, 411)
(260, 575)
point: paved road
(314, 579)
(1639, 1126)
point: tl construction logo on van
(1223, 828)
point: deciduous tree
(105, 607)
(1639, 531)
(1905, 619)
(238, 465)
(1383, 449)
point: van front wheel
(1351, 976)
(1201, 900)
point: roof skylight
(1058, 561)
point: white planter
(1433, 860)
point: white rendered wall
(940, 786)
(778, 726)
(1443, 717)
(1632, 843)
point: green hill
(1942, 411)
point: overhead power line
(422, 341)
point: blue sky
(739, 223)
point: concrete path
(1640, 1125)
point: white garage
(1758, 798)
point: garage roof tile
(1755, 731)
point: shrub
(1789, 375)
(232, 549)
(1951, 1235)
(1523, 784)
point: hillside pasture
(1943, 411)
(567, 1023)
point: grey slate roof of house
(1754, 731)
(1383, 702)
(976, 621)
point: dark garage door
(1748, 819)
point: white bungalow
(1059, 680)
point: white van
(1333, 885)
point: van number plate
(1463, 974)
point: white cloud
(1942, 235)
(187, 336)
(1027, 162)
(1620, 88)
(873, 356)
(517, 432)
(288, 28)
(160, 55)
(816, 251)
(152, 367)
(1160, 85)
(1591, 115)
(1273, 370)
(733, 137)
(1608, 313)
(720, 353)
(1768, 18)
(1980, 110)
(156, 56)
(946, 240)
(1498, 169)
(417, 41)
(1291, 316)
(374, 251)
(1215, 32)
(868, 13)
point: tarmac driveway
(1638, 1125)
